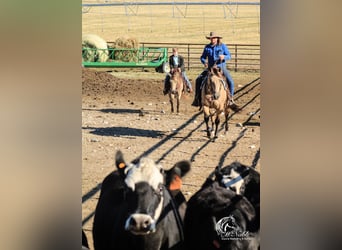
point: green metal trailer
(144, 57)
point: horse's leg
(178, 102)
(206, 120)
(206, 113)
(171, 102)
(217, 123)
(226, 114)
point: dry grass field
(178, 23)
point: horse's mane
(216, 71)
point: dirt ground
(132, 115)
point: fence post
(236, 57)
(188, 56)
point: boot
(188, 87)
(233, 105)
(197, 100)
(195, 103)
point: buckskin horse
(176, 88)
(215, 101)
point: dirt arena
(132, 115)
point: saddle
(201, 80)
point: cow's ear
(174, 175)
(182, 167)
(120, 162)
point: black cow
(141, 207)
(244, 181)
(225, 212)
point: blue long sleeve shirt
(212, 53)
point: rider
(176, 61)
(217, 54)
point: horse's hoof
(214, 138)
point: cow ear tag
(176, 183)
(122, 165)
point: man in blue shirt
(214, 54)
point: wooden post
(188, 56)
(236, 57)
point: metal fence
(245, 57)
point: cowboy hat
(213, 34)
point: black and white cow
(225, 212)
(141, 207)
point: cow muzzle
(140, 224)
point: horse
(176, 88)
(215, 101)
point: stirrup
(234, 106)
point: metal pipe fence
(245, 57)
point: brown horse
(176, 88)
(215, 101)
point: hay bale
(126, 49)
(126, 42)
(132, 42)
(97, 48)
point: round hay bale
(129, 52)
(126, 42)
(96, 48)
